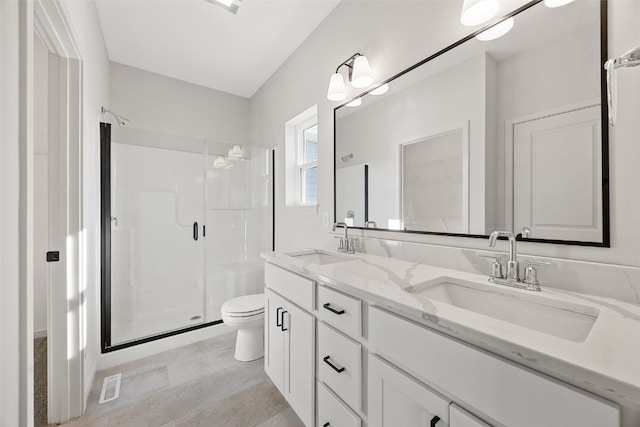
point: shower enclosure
(183, 224)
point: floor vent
(110, 388)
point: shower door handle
(195, 230)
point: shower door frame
(105, 251)
(105, 257)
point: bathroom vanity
(363, 340)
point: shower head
(121, 120)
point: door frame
(66, 318)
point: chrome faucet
(512, 276)
(346, 244)
(513, 268)
(370, 224)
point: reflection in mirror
(489, 135)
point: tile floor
(196, 385)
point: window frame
(300, 165)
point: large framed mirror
(487, 135)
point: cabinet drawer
(340, 365)
(458, 417)
(503, 391)
(297, 289)
(340, 311)
(332, 412)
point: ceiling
(198, 42)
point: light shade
(337, 90)
(361, 76)
(475, 12)
(380, 90)
(556, 3)
(496, 31)
(355, 103)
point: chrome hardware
(346, 244)
(531, 274)
(513, 268)
(370, 224)
(496, 266)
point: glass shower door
(157, 249)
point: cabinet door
(395, 399)
(458, 417)
(274, 357)
(299, 375)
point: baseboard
(40, 334)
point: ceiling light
(475, 12)
(219, 162)
(229, 5)
(355, 103)
(359, 75)
(380, 89)
(337, 91)
(498, 30)
(556, 3)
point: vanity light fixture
(380, 89)
(359, 75)
(476, 12)
(556, 3)
(497, 31)
(355, 103)
(228, 5)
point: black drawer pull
(434, 421)
(195, 230)
(278, 323)
(326, 425)
(282, 321)
(333, 310)
(335, 368)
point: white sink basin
(524, 308)
(320, 257)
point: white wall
(82, 16)
(170, 106)
(394, 36)
(40, 187)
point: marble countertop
(607, 362)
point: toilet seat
(244, 306)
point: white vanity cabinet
(290, 353)
(375, 368)
(396, 399)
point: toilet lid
(248, 304)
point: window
(301, 159)
(307, 151)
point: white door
(274, 338)
(395, 399)
(299, 375)
(557, 164)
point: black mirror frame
(606, 226)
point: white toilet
(246, 314)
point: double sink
(532, 310)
